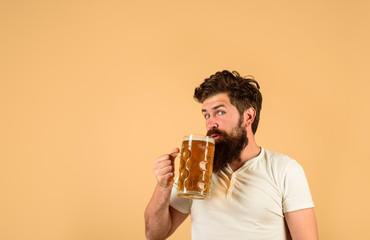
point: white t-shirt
(250, 202)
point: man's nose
(211, 124)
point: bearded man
(256, 193)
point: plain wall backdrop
(91, 92)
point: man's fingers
(163, 158)
(163, 168)
(174, 153)
(162, 164)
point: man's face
(220, 114)
(225, 125)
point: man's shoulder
(278, 160)
(281, 165)
(276, 155)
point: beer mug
(196, 165)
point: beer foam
(208, 139)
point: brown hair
(242, 91)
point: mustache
(216, 131)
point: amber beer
(196, 164)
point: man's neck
(251, 151)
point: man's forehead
(215, 100)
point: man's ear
(249, 116)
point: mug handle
(175, 179)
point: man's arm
(161, 220)
(302, 224)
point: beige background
(91, 92)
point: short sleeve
(180, 204)
(296, 194)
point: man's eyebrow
(214, 108)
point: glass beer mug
(196, 165)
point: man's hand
(164, 168)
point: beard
(229, 146)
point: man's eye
(206, 116)
(221, 113)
